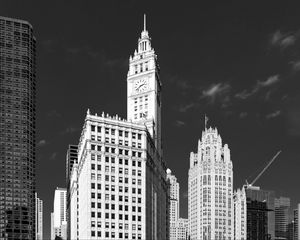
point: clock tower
(144, 88)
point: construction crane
(265, 168)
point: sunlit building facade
(38, 218)
(118, 188)
(240, 214)
(210, 184)
(59, 214)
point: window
(93, 128)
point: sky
(237, 63)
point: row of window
(112, 235)
(112, 160)
(114, 132)
(112, 197)
(114, 215)
(113, 150)
(113, 141)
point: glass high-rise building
(17, 129)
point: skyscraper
(71, 159)
(240, 214)
(118, 189)
(210, 200)
(17, 129)
(282, 207)
(38, 218)
(178, 226)
(58, 216)
(174, 197)
(297, 222)
(260, 213)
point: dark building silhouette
(260, 214)
(72, 157)
(282, 207)
(290, 230)
(17, 129)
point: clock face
(141, 85)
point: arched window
(207, 151)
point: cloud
(53, 113)
(273, 114)
(296, 66)
(270, 81)
(245, 94)
(53, 156)
(243, 115)
(185, 108)
(215, 90)
(41, 143)
(258, 86)
(283, 40)
(179, 123)
(69, 130)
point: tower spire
(144, 22)
(205, 121)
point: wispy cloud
(70, 130)
(215, 90)
(41, 143)
(179, 123)
(243, 115)
(295, 65)
(270, 81)
(53, 156)
(283, 40)
(53, 113)
(186, 107)
(273, 114)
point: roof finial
(144, 22)
(205, 120)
